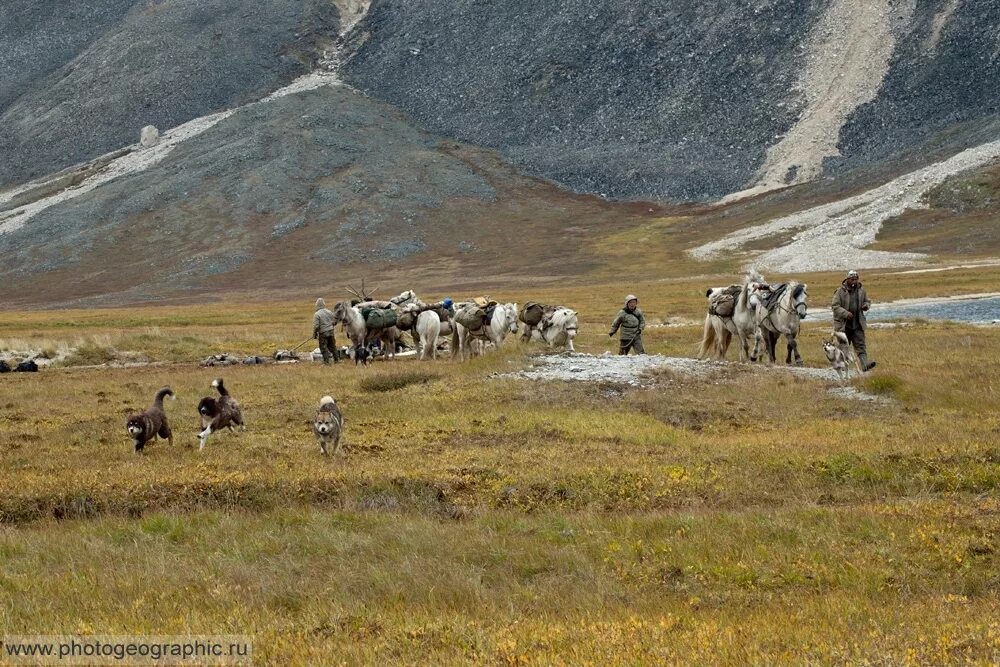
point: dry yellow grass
(747, 517)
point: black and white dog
(219, 413)
(362, 355)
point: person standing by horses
(323, 328)
(631, 322)
(850, 303)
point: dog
(362, 355)
(839, 351)
(219, 413)
(328, 424)
(143, 427)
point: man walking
(631, 322)
(323, 326)
(850, 303)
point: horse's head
(799, 296)
(757, 292)
(567, 320)
(510, 309)
(403, 297)
(340, 312)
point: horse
(719, 331)
(356, 329)
(427, 329)
(781, 316)
(560, 330)
(504, 321)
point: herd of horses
(432, 323)
(755, 313)
(758, 314)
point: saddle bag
(380, 318)
(722, 305)
(531, 313)
(470, 317)
(405, 320)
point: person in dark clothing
(631, 322)
(850, 304)
(323, 330)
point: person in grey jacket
(850, 304)
(323, 327)
(631, 322)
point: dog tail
(841, 336)
(217, 383)
(327, 400)
(160, 395)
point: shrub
(90, 354)
(884, 385)
(395, 381)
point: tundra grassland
(742, 516)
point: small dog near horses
(841, 355)
(362, 355)
(328, 425)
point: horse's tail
(455, 340)
(707, 337)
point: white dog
(839, 351)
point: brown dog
(328, 424)
(220, 413)
(145, 426)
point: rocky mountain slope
(688, 100)
(81, 79)
(306, 139)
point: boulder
(149, 136)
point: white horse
(358, 332)
(560, 330)
(719, 331)
(504, 321)
(782, 318)
(428, 328)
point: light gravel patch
(835, 236)
(634, 371)
(847, 58)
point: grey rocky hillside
(80, 79)
(681, 100)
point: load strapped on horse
(554, 325)
(723, 303)
(378, 318)
(476, 314)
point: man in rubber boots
(323, 326)
(850, 303)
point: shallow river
(963, 310)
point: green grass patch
(396, 381)
(90, 354)
(884, 385)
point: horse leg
(793, 350)
(772, 343)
